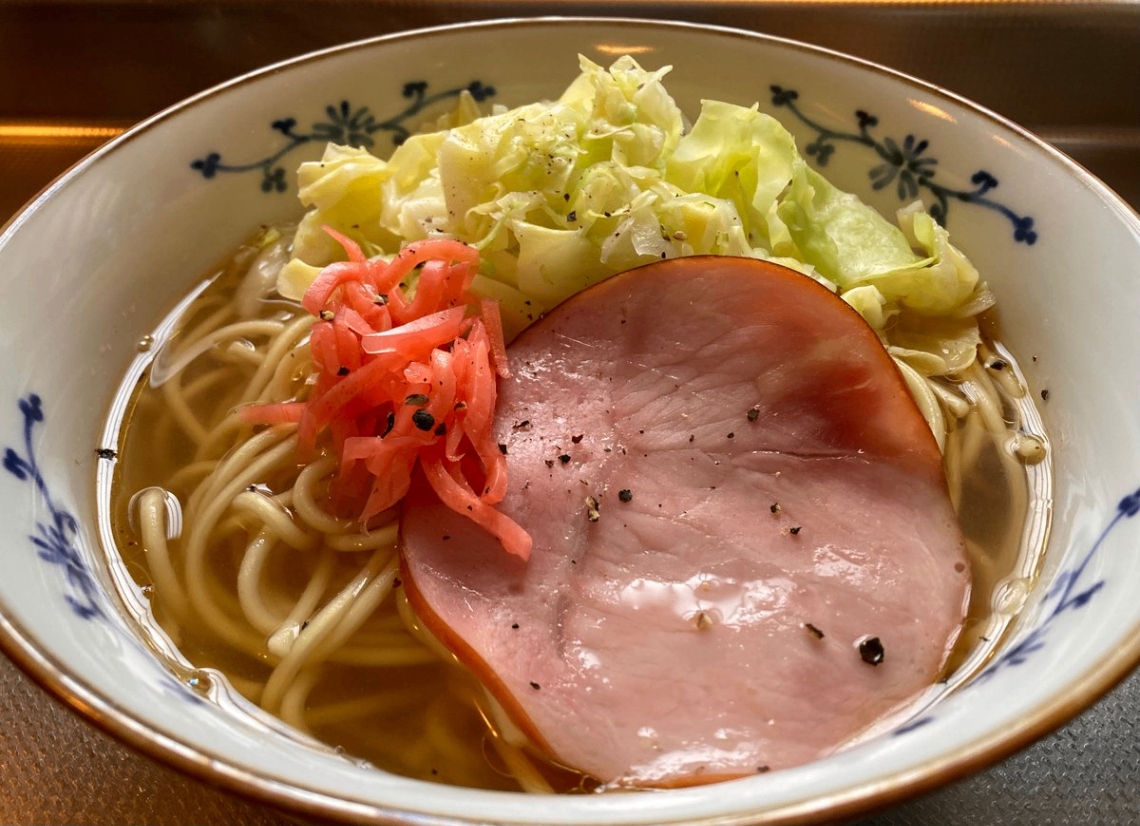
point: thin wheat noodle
(374, 577)
(293, 703)
(253, 606)
(955, 405)
(185, 474)
(305, 500)
(240, 352)
(180, 409)
(197, 536)
(314, 589)
(270, 512)
(191, 349)
(227, 432)
(282, 637)
(520, 766)
(285, 341)
(359, 609)
(951, 466)
(234, 462)
(332, 713)
(383, 537)
(985, 398)
(388, 657)
(1005, 376)
(289, 371)
(152, 528)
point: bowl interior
(115, 243)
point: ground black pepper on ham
(668, 636)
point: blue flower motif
(782, 96)
(284, 126)
(343, 124)
(57, 542)
(415, 88)
(820, 150)
(274, 180)
(1023, 230)
(208, 165)
(15, 465)
(904, 163)
(479, 91)
(984, 181)
(346, 125)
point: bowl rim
(90, 704)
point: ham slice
(744, 553)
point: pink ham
(785, 504)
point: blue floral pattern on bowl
(344, 124)
(57, 542)
(1070, 593)
(55, 538)
(906, 164)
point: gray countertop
(1068, 71)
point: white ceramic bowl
(109, 247)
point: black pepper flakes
(815, 632)
(342, 371)
(523, 425)
(423, 420)
(391, 424)
(1045, 395)
(564, 458)
(753, 414)
(731, 435)
(549, 463)
(775, 508)
(105, 453)
(795, 529)
(577, 439)
(625, 495)
(441, 430)
(762, 769)
(571, 216)
(535, 685)
(871, 650)
(502, 448)
(998, 364)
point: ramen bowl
(92, 265)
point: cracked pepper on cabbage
(560, 195)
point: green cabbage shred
(560, 195)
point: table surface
(57, 768)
